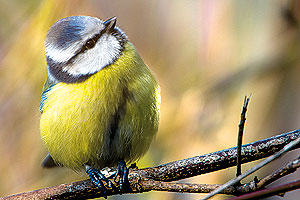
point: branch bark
(289, 168)
(155, 178)
(270, 191)
(263, 163)
(207, 163)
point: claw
(96, 177)
(122, 171)
(133, 166)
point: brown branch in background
(185, 187)
(196, 188)
(270, 191)
(289, 168)
(172, 171)
(233, 181)
(291, 13)
(240, 136)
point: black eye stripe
(121, 37)
(90, 43)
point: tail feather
(48, 162)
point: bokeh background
(207, 55)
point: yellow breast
(110, 116)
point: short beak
(110, 24)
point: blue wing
(47, 87)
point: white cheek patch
(106, 50)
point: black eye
(89, 44)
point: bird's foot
(122, 171)
(133, 166)
(98, 179)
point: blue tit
(100, 103)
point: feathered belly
(101, 120)
(74, 121)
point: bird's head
(79, 46)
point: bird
(100, 103)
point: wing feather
(47, 87)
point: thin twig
(240, 135)
(253, 169)
(289, 168)
(270, 191)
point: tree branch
(289, 168)
(233, 181)
(207, 163)
(270, 191)
(143, 180)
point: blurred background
(207, 55)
